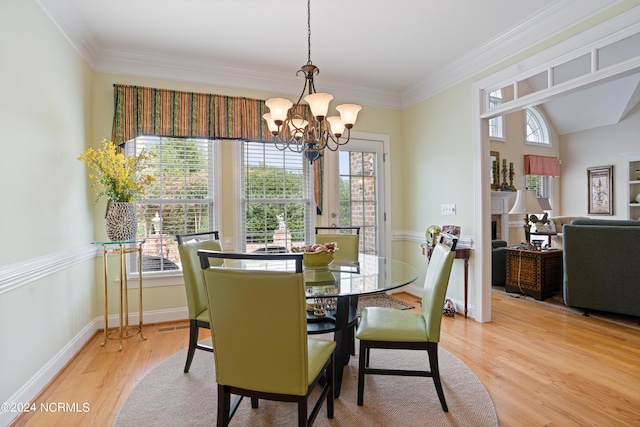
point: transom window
(496, 124)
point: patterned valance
(148, 111)
(541, 165)
(162, 112)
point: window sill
(156, 280)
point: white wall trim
(32, 388)
(21, 273)
(601, 35)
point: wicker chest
(534, 273)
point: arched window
(536, 129)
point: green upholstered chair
(388, 328)
(348, 239)
(188, 246)
(262, 351)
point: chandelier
(311, 137)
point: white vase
(121, 221)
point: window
(180, 200)
(276, 201)
(536, 129)
(496, 124)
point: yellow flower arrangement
(117, 176)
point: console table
(461, 253)
(534, 273)
(123, 330)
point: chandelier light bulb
(337, 128)
(279, 108)
(349, 114)
(297, 127)
(273, 127)
(319, 104)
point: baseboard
(29, 391)
(459, 305)
(32, 388)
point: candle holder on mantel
(510, 173)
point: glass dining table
(343, 283)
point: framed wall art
(600, 191)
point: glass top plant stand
(124, 329)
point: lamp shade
(349, 114)
(319, 103)
(273, 127)
(336, 125)
(278, 107)
(526, 203)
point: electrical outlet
(448, 209)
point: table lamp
(526, 203)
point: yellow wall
(45, 119)
(370, 120)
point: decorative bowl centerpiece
(318, 256)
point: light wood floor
(541, 366)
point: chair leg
(302, 412)
(224, 405)
(362, 364)
(432, 349)
(193, 340)
(331, 381)
(254, 402)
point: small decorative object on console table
(461, 253)
(122, 179)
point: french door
(356, 192)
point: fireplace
(500, 215)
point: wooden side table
(461, 253)
(123, 330)
(534, 273)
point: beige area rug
(381, 300)
(166, 396)
(557, 302)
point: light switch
(448, 209)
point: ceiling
(383, 53)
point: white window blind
(180, 200)
(276, 200)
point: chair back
(258, 325)
(435, 288)
(188, 247)
(348, 244)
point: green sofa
(602, 265)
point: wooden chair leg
(435, 373)
(254, 402)
(224, 405)
(302, 412)
(193, 340)
(331, 380)
(362, 364)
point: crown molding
(549, 22)
(206, 72)
(560, 15)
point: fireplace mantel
(500, 206)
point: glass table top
(371, 274)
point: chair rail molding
(15, 275)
